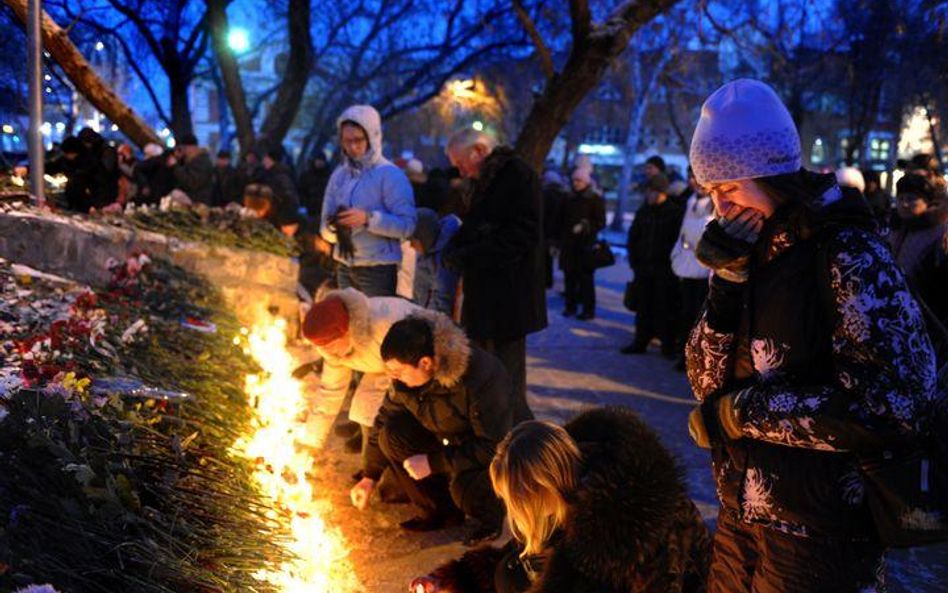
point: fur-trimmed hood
(452, 348)
(631, 526)
(631, 495)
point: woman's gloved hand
(726, 244)
(711, 418)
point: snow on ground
(572, 364)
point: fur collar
(493, 164)
(360, 319)
(452, 349)
(629, 497)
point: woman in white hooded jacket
(369, 208)
(692, 275)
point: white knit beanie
(851, 177)
(745, 131)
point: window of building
(879, 149)
(844, 144)
(818, 152)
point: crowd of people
(800, 303)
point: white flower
(757, 489)
(37, 589)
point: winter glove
(711, 418)
(726, 244)
(343, 236)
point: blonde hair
(535, 466)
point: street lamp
(238, 41)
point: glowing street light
(7, 129)
(99, 46)
(238, 41)
(479, 126)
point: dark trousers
(693, 293)
(756, 559)
(549, 268)
(513, 355)
(471, 491)
(580, 289)
(372, 281)
(657, 294)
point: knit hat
(658, 183)
(327, 320)
(427, 228)
(188, 139)
(851, 177)
(582, 174)
(744, 132)
(917, 185)
(415, 166)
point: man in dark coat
(555, 195)
(312, 185)
(279, 177)
(153, 175)
(226, 183)
(651, 238)
(500, 251)
(449, 406)
(583, 215)
(193, 170)
(71, 162)
(630, 526)
(101, 166)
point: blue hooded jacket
(375, 185)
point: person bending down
(449, 405)
(597, 505)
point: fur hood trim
(629, 496)
(360, 319)
(452, 348)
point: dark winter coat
(155, 179)
(103, 173)
(195, 177)
(226, 186)
(312, 188)
(921, 249)
(631, 527)
(652, 236)
(825, 354)
(78, 190)
(468, 405)
(586, 209)
(280, 179)
(554, 197)
(500, 251)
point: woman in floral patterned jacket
(811, 349)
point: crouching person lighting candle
(595, 505)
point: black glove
(728, 256)
(344, 245)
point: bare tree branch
(543, 52)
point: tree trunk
(628, 165)
(61, 49)
(285, 107)
(230, 72)
(591, 54)
(181, 123)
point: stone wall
(78, 248)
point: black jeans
(693, 293)
(756, 559)
(372, 281)
(655, 316)
(580, 289)
(471, 491)
(513, 355)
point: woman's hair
(796, 189)
(534, 469)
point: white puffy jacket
(698, 214)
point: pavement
(571, 365)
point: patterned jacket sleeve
(710, 348)
(884, 363)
